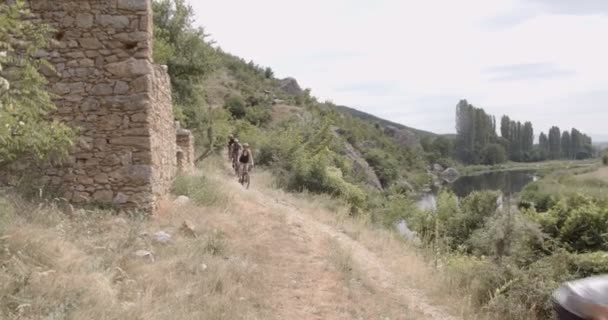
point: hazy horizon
(410, 62)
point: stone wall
(185, 146)
(162, 126)
(108, 88)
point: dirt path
(298, 251)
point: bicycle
(244, 176)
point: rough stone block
(133, 5)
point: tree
(555, 144)
(268, 73)
(543, 146)
(187, 53)
(505, 127)
(494, 153)
(475, 130)
(528, 138)
(566, 153)
(25, 131)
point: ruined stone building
(110, 90)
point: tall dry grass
(83, 265)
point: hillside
(296, 259)
(385, 123)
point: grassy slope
(293, 259)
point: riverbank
(542, 168)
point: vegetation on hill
(306, 151)
(25, 132)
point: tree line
(477, 141)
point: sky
(410, 61)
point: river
(508, 182)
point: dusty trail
(296, 249)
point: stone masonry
(108, 88)
(185, 148)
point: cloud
(573, 7)
(523, 11)
(526, 71)
(411, 61)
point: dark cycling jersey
(244, 157)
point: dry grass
(600, 174)
(83, 266)
(258, 254)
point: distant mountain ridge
(385, 123)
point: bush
(258, 115)
(236, 106)
(589, 264)
(586, 228)
(25, 130)
(605, 158)
(385, 165)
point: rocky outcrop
(403, 137)
(360, 165)
(290, 86)
(450, 175)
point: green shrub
(589, 264)
(200, 189)
(258, 115)
(586, 228)
(236, 106)
(385, 165)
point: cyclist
(245, 161)
(230, 143)
(584, 299)
(234, 154)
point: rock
(116, 22)
(120, 198)
(138, 142)
(145, 254)
(437, 167)
(121, 87)
(84, 20)
(139, 5)
(290, 86)
(162, 237)
(450, 175)
(104, 196)
(90, 43)
(187, 229)
(181, 200)
(102, 89)
(129, 68)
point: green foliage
(268, 73)
(236, 106)
(494, 153)
(585, 228)
(385, 165)
(188, 54)
(25, 131)
(258, 115)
